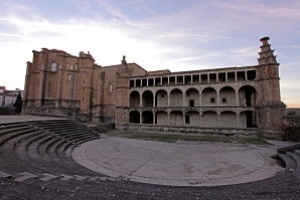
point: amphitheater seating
(290, 156)
(35, 162)
(42, 145)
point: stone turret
(266, 55)
(270, 107)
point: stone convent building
(231, 100)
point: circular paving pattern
(181, 163)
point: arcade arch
(248, 119)
(176, 98)
(161, 118)
(161, 98)
(192, 97)
(147, 117)
(227, 96)
(247, 96)
(208, 96)
(134, 117)
(192, 118)
(228, 119)
(209, 119)
(176, 118)
(147, 98)
(134, 100)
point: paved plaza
(181, 163)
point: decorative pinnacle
(264, 39)
(266, 55)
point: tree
(18, 104)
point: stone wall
(197, 130)
(52, 111)
(291, 128)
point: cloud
(274, 9)
(113, 10)
(185, 35)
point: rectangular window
(54, 67)
(131, 83)
(224, 100)
(192, 103)
(251, 75)
(187, 119)
(70, 77)
(212, 100)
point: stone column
(183, 99)
(200, 103)
(218, 98)
(235, 76)
(237, 98)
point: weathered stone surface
(59, 84)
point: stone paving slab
(178, 164)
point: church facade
(226, 100)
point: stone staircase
(290, 156)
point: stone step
(296, 157)
(290, 162)
(4, 175)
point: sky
(156, 34)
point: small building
(225, 100)
(8, 97)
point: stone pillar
(183, 99)
(200, 119)
(200, 102)
(237, 98)
(218, 98)
(235, 76)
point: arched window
(110, 87)
(70, 77)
